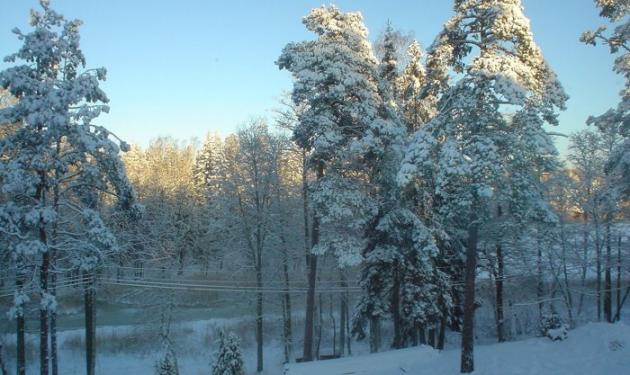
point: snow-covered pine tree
(55, 163)
(464, 149)
(227, 359)
(617, 119)
(416, 106)
(336, 83)
(388, 64)
(167, 363)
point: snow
(596, 348)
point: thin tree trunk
(3, 366)
(90, 324)
(608, 276)
(334, 326)
(54, 359)
(539, 275)
(422, 337)
(43, 310)
(499, 297)
(467, 357)
(375, 334)
(618, 277)
(623, 300)
(584, 262)
(348, 334)
(20, 328)
(598, 268)
(442, 333)
(259, 317)
(432, 337)
(398, 337)
(567, 290)
(307, 245)
(312, 280)
(342, 313)
(320, 325)
(288, 335)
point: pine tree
(336, 82)
(417, 104)
(167, 364)
(466, 147)
(227, 359)
(54, 164)
(616, 120)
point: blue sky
(183, 68)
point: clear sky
(183, 68)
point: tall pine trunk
(442, 333)
(468, 338)
(43, 311)
(608, 276)
(499, 298)
(54, 359)
(259, 322)
(375, 334)
(396, 317)
(343, 307)
(287, 329)
(307, 354)
(598, 267)
(90, 323)
(618, 313)
(20, 326)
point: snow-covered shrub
(167, 364)
(552, 326)
(227, 359)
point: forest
(397, 201)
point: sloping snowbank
(596, 348)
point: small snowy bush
(552, 327)
(167, 364)
(227, 359)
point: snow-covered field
(594, 349)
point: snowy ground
(594, 349)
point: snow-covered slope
(594, 349)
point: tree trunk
(342, 313)
(499, 297)
(54, 359)
(287, 331)
(539, 275)
(598, 268)
(618, 277)
(90, 323)
(320, 325)
(348, 334)
(334, 326)
(3, 366)
(467, 358)
(422, 337)
(398, 337)
(43, 310)
(432, 337)
(442, 333)
(259, 320)
(584, 262)
(20, 328)
(608, 276)
(375, 334)
(567, 287)
(312, 280)
(307, 244)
